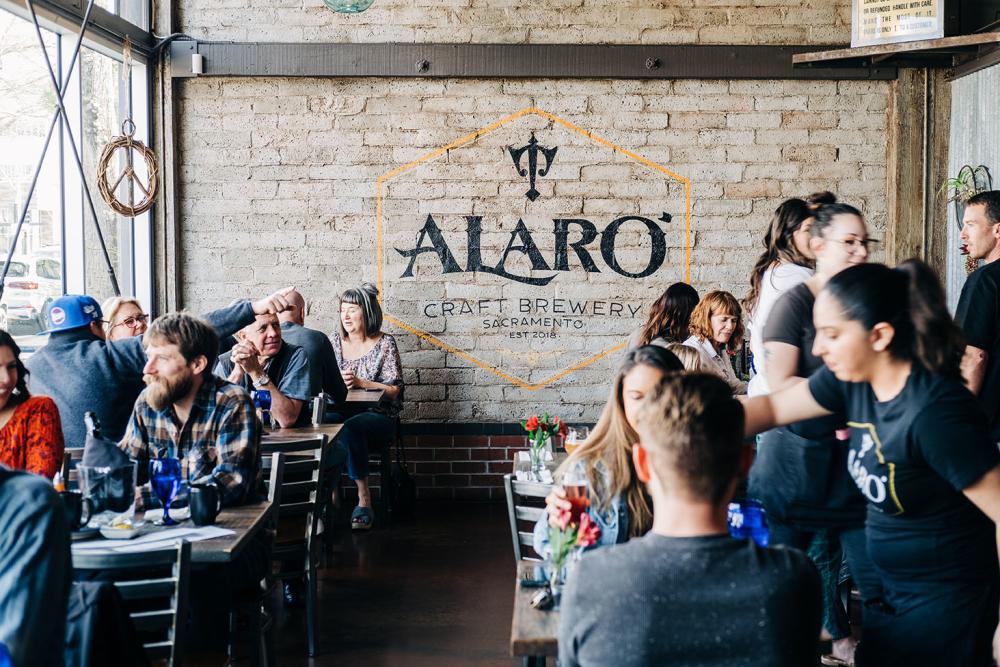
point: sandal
(361, 518)
(833, 661)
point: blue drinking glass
(165, 478)
(748, 520)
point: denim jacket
(613, 523)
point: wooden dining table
(363, 399)
(302, 432)
(534, 634)
(244, 520)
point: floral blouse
(32, 439)
(380, 364)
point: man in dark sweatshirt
(687, 593)
(82, 372)
(322, 361)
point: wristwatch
(262, 381)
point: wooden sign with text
(892, 21)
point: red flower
(531, 424)
(588, 533)
(561, 425)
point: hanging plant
(969, 182)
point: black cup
(205, 501)
(74, 504)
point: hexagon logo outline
(468, 139)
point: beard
(162, 391)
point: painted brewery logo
(531, 247)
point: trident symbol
(532, 149)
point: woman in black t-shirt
(800, 472)
(921, 455)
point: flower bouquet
(540, 430)
(575, 530)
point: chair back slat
(524, 516)
(532, 514)
(150, 588)
(171, 592)
(153, 620)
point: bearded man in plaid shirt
(188, 413)
(211, 426)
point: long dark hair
(909, 298)
(778, 246)
(670, 314)
(20, 393)
(610, 444)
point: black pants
(824, 546)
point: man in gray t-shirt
(687, 593)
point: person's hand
(274, 303)
(555, 503)
(246, 355)
(350, 379)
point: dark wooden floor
(434, 591)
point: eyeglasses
(854, 244)
(132, 322)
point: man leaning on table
(687, 593)
(189, 413)
(262, 360)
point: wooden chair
(527, 514)
(71, 459)
(298, 498)
(169, 619)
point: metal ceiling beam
(486, 61)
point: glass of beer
(575, 435)
(576, 487)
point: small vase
(537, 454)
(557, 578)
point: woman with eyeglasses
(800, 473)
(124, 318)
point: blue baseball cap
(72, 312)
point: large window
(58, 250)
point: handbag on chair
(402, 488)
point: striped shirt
(220, 439)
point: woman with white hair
(368, 359)
(123, 318)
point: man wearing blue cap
(83, 372)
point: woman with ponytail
(800, 472)
(785, 262)
(920, 453)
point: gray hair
(365, 296)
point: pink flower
(563, 518)
(588, 533)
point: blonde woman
(688, 356)
(717, 334)
(619, 504)
(124, 318)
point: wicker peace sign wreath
(148, 188)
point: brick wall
(276, 184)
(516, 21)
(277, 187)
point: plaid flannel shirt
(220, 439)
